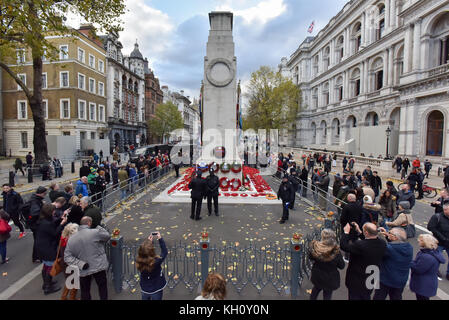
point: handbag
(409, 229)
(4, 227)
(57, 265)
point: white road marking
(20, 284)
(442, 295)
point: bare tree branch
(17, 79)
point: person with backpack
(12, 203)
(439, 226)
(32, 210)
(427, 167)
(18, 165)
(5, 230)
(404, 220)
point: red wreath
(238, 169)
(243, 195)
(232, 184)
(235, 194)
(211, 166)
(226, 186)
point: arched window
(326, 94)
(439, 33)
(355, 80)
(435, 134)
(377, 74)
(315, 98)
(357, 36)
(326, 58)
(340, 49)
(339, 88)
(313, 129)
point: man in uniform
(198, 187)
(286, 194)
(213, 184)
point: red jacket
(416, 163)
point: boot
(43, 277)
(65, 292)
(49, 287)
(73, 293)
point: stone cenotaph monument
(220, 100)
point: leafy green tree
(24, 24)
(166, 119)
(273, 101)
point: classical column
(411, 140)
(408, 47)
(363, 31)
(332, 53)
(320, 61)
(346, 85)
(363, 75)
(402, 130)
(390, 66)
(387, 15)
(417, 45)
(331, 91)
(386, 68)
(347, 44)
(392, 14)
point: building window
(65, 108)
(21, 56)
(82, 135)
(357, 88)
(44, 55)
(435, 134)
(101, 65)
(92, 112)
(101, 89)
(92, 61)
(81, 81)
(24, 139)
(92, 135)
(381, 29)
(444, 53)
(379, 78)
(45, 108)
(63, 52)
(66, 133)
(340, 93)
(91, 85)
(22, 111)
(101, 113)
(81, 109)
(64, 79)
(81, 55)
(23, 78)
(44, 80)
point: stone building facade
(153, 97)
(74, 94)
(378, 64)
(126, 94)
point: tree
(24, 24)
(166, 119)
(273, 101)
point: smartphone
(154, 233)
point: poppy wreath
(222, 181)
(203, 167)
(225, 167)
(239, 184)
(215, 166)
(246, 182)
(236, 167)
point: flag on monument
(310, 30)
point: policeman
(212, 183)
(286, 194)
(198, 187)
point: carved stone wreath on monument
(220, 72)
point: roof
(136, 52)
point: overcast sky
(172, 34)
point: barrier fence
(282, 268)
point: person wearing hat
(370, 211)
(213, 183)
(91, 179)
(199, 188)
(404, 217)
(286, 193)
(294, 180)
(36, 203)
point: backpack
(25, 212)
(4, 227)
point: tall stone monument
(220, 92)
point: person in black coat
(438, 205)
(364, 253)
(11, 204)
(376, 184)
(36, 203)
(352, 212)
(327, 260)
(76, 212)
(213, 183)
(304, 179)
(286, 194)
(48, 235)
(295, 181)
(199, 188)
(84, 170)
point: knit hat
(41, 190)
(390, 183)
(367, 199)
(405, 205)
(93, 170)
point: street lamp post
(388, 132)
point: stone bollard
(204, 246)
(116, 257)
(296, 263)
(73, 167)
(30, 175)
(11, 178)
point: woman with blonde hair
(69, 230)
(214, 288)
(152, 279)
(76, 212)
(327, 259)
(424, 275)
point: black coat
(286, 192)
(36, 204)
(212, 183)
(363, 253)
(199, 188)
(324, 183)
(439, 207)
(11, 202)
(439, 226)
(295, 181)
(47, 238)
(53, 195)
(84, 171)
(352, 212)
(325, 274)
(304, 176)
(75, 215)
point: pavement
(245, 224)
